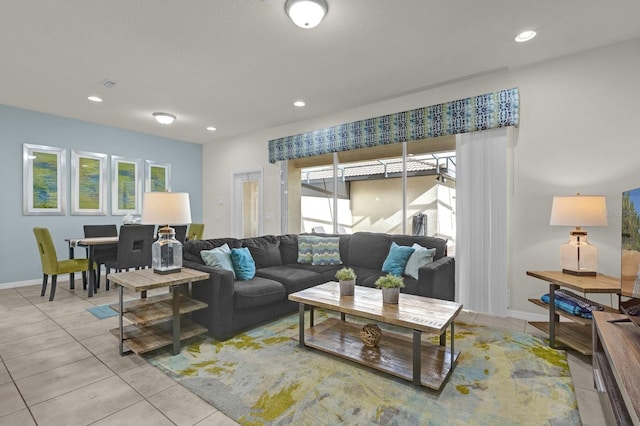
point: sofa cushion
(219, 257)
(293, 279)
(368, 250)
(257, 292)
(243, 264)
(368, 277)
(326, 251)
(397, 259)
(420, 257)
(265, 252)
(288, 248)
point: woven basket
(371, 335)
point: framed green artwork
(88, 183)
(126, 186)
(43, 180)
(158, 177)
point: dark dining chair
(134, 249)
(181, 232)
(102, 254)
(54, 267)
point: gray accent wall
(19, 259)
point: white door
(247, 204)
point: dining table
(89, 243)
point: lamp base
(579, 273)
(166, 271)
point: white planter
(390, 295)
(347, 287)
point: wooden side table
(576, 334)
(156, 320)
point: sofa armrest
(438, 279)
(217, 292)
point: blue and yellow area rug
(263, 377)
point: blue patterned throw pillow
(243, 263)
(326, 251)
(305, 248)
(397, 259)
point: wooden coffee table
(422, 363)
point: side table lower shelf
(572, 334)
(141, 339)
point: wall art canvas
(126, 186)
(88, 183)
(158, 177)
(44, 183)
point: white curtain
(481, 221)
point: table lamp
(166, 208)
(578, 256)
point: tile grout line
(19, 393)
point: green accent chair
(196, 230)
(54, 267)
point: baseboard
(38, 281)
(529, 316)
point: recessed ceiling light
(164, 117)
(299, 103)
(525, 36)
(211, 129)
(94, 99)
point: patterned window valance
(488, 111)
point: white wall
(577, 133)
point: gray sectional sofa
(236, 305)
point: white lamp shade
(579, 210)
(306, 13)
(166, 208)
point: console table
(156, 320)
(616, 367)
(576, 334)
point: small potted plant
(390, 285)
(347, 279)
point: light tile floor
(60, 366)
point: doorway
(247, 209)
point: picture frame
(44, 185)
(126, 186)
(158, 177)
(89, 183)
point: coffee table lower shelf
(394, 354)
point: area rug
(102, 312)
(263, 377)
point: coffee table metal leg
(417, 357)
(343, 316)
(453, 349)
(301, 323)
(311, 319)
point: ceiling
(239, 65)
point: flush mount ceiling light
(95, 99)
(164, 117)
(211, 129)
(299, 103)
(525, 36)
(306, 13)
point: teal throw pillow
(305, 248)
(326, 251)
(420, 257)
(243, 263)
(219, 257)
(397, 259)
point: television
(630, 253)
